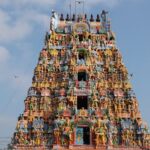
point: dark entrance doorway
(83, 135)
(82, 76)
(82, 102)
(80, 37)
(86, 135)
(81, 56)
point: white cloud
(27, 3)
(4, 2)
(89, 4)
(105, 2)
(37, 17)
(4, 54)
(12, 29)
(43, 2)
(17, 25)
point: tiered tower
(81, 96)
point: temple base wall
(74, 147)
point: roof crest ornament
(54, 21)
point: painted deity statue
(54, 21)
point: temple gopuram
(81, 96)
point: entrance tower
(81, 96)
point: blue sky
(23, 24)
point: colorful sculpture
(80, 94)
